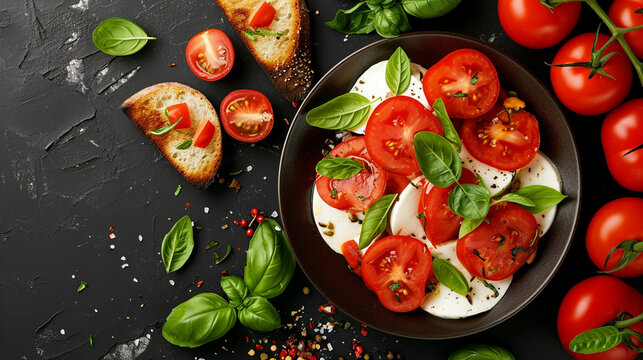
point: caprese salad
(433, 212)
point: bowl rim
(575, 214)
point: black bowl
(327, 270)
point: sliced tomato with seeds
(263, 16)
(204, 134)
(396, 268)
(353, 256)
(497, 249)
(390, 131)
(466, 81)
(357, 193)
(247, 115)
(210, 54)
(501, 140)
(179, 111)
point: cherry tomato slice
(390, 131)
(247, 115)
(263, 16)
(357, 193)
(204, 134)
(210, 54)
(179, 111)
(502, 141)
(496, 250)
(353, 256)
(466, 81)
(396, 268)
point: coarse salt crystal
(112, 236)
(123, 258)
(135, 280)
(329, 346)
(125, 265)
(62, 331)
(249, 168)
(112, 247)
(140, 238)
(274, 214)
(73, 276)
(172, 282)
(206, 209)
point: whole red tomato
(591, 304)
(617, 221)
(533, 25)
(576, 90)
(622, 132)
(623, 15)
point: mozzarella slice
(446, 303)
(335, 226)
(540, 171)
(404, 214)
(496, 180)
(372, 84)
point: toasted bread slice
(286, 58)
(146, 109)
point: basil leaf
(596, 340)
(449, 130)
(468, 225)
(544, 197)
(356, 20)
(450, 276)
(426, 9)
(218, 259)
(119, 37)
(392, 21)
(259, 314)
(235, 288)
(82, 286)
(374, 222)
(177, 245)
(469, 201)
(398, 72)
(164, 130)
(378, 4)
(517, 199)
(438, 160)
(343, 112)
(631, 250)
(185, 145)
(339, 168)
(481, 352)
(270, 263)
(199, 320)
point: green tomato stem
(625, 323)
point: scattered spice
(199, 284)
(286, 121)
(172, 64)
(112, 236)
(235, 172)
(223, 227)
(327, 308)
(178, 190)
(211, 245)
(235, 184)
(306, 290)
(91, 339)
(82, 286)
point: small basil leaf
(398, 72)
(185, 145)
(631, 250)
(82, 286)
(177, 245)
(259, 314)
(343, 112)
(119, 37)
(199, 320)
(544, 197)
(469, 201)
(438, 160)
(392, 21)
(339, 168)
(375, 220)
(468, 225)
(449, 276)
(218, 259)
(596, 340)
(481, 352)
(270, 263)
(516, 199)
(356, 20)
(235, 288)
(426, 9)
(449, 130)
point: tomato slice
(263, 16)
(390, 131)
(357, 193)
(502, 141)
(210, 54)
(179, 111)
(496, 250)
(353, 256)
(396, 268)
(204, 134)
(247, 115)
(440, 223)
(466, 81)
(396, 183)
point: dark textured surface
(73, 166)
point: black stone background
(73, 166)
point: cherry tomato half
(591, 304)
(353, 256)
(617, 221)
(533, 25)
(466, 81)
(263, 16)
(622, 12)
(210, 54)
(179, 111)
(204, 134)
(247, 115)
(396, 268)
(622, 132)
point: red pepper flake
(247, 340)
(238, 249)
(283, 353)
(199, 283)
(259, 347)
(364, 332)
(187, 204)
(327, 308)
(310, 325)
(359, 349)
(224, 272)
(236, 222)
(295, 104)
(111, 229)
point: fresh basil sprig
(449, 276)
(631, 250)
(449, 130)
(356, 20)
(259, 314)
(542, 196)
(343, 112)
(481, 352)
(427, 9)
(119, 37)
(375, 220)
(339, 168)
(438, 160)
(398, 72)
(177, 245)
